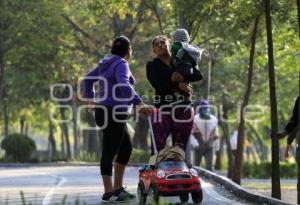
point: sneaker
(107, 196)
(122, 192)
(113, 197)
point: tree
(154, 6)
(237, 170)
(52, 143)
(47, 42)
(273, 102)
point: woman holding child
(175, 113)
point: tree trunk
(3, 51)
(224, 125)
(1, 77)
(2, 97)
(6, 118)
(154, 7)
(209, 75)
(75, 128)
(1, 68)
(276, 193)
(65, 130)
(298, 184)
(52, 143)
(62, 145)
(26, 128)
(68, 145)
(182, 18)
(22, 123)
(237, 171)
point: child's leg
(184, 69)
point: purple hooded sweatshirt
(115, 83)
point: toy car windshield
(169, 165)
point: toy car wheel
(153, 197)
(197, 196)
(140, 195)
(184, 197)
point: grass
(267, 186)
(64, 201)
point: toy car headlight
(161, 174)
(194, 172)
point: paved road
(50, 185)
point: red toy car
(168, 178)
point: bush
(18, 147)
(263, 170)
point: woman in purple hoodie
(116, 96)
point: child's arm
(177, 77)
(197, 76)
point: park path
(49, 185)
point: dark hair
(157, 37)
(120, 46)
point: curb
(239, 191)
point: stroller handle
(152, 134)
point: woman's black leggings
(116, 140)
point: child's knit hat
(181, 35)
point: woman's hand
(177, 77)
(287, 151)
(91, 106)
(144, 109)
(185, 87)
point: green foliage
(43, 156)
(86, 157)
(139, 156)
(25, 201)
(47, 42)
(23, 198)
(18, 147)
(262, 170)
